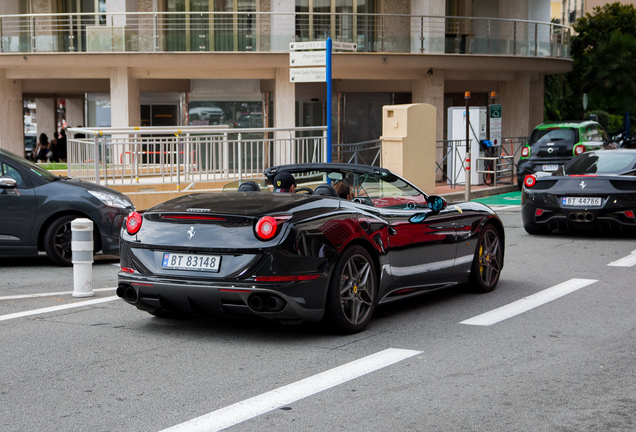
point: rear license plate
(550, 167)
(581, 201)
(196, 262)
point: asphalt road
(566, 364)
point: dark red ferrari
(308, 255)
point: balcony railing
(272, 32)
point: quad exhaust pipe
(127, 293)
(266, 303)
(581, 217)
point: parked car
(596, 190)
(309, 255)
(37, 208)
(30, 143)
(551, 145)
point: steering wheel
(304, 189)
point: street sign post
(318, 74)
(308, 58)
(494, 119)
(302, 68)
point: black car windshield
(35, 169)
(542, 136)
(603, 162)
(380, 189)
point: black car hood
(86, 185)
(239, 203)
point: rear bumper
(554, 218)
(270, 301)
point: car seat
(249, 186)
(325, 190)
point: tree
(609, 78)
(602, 51)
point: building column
(46, 116)
(283, 26)
(75, 112)
(430, 90)
(284, 115)
(431, 27)
(11, 115)
(537, 96)
(515, 102)
(125, 109)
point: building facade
(198, 62)
(569, 11)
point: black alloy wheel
(57, 240)
(352, 291)
(488, 260)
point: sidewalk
(458, 192)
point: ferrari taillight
(525, 152)
(579, 149)
(530, 181)
(133, 223)
(629, 214)
(267, 226)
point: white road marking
(59, 293)
(530, 302)
(57, 308)
(261, 404)
(628, 261)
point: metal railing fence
(451, 161)
(190, 155)
(272, 32)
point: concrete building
(196, 62)
(571, 10)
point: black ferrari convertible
(308, 255)
(595, 190)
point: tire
(488, 260)
(352, 292)
(535, 229)
(57, 240)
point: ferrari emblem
(582, 184)
(355, 289)
(191, 233)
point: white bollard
(82, 248)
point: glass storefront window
(231, 114)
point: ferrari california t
(305, 254)
(596, 190)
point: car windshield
(604, 162)
(35, 169)
(543, 136)
(380, 189)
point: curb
(480, 193)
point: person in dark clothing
(42, 149)
(284, 182)
(61, 146)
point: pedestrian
(54, 150)
(61, 145)
(43, 149)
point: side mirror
(7, 182)
(436, 203)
